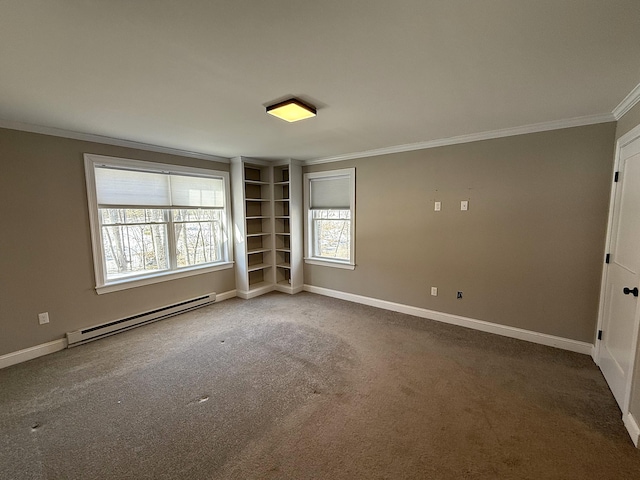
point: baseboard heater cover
(89, 334)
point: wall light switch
(437, 206)
(434, 291)
(464, 205)
(43, 318)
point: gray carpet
(302, 387)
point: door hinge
(616, 176)
(607, 259)
(599, 334)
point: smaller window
(332, 234)
(330, 224)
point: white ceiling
(196, 75)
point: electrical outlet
(434, 291)
(464, 205)
(43, 318)
(437, 206)
(459, 295)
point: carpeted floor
(309, 387)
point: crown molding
(88, 137)
(473, 137)
(628, 103)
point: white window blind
(116, 187)
(196, 192)
(330, 193)
(119, 187)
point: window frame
(91, 161)
(309, 257)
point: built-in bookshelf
(268, 226)
(282, 224)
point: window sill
(330, 263)
(125, 284)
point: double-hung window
(152, 222)
(330, 218)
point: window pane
(196, 215)
(332, 214)
(116, 216)
(332, 234)
(198, 236)
(134, 249)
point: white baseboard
(288, 289)
(632, 428)
(255, 293)
(221, 297)
(504, 330)
(32, 352)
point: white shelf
(258, 266)
(258, 250)
(284, 265)
(256, 182)
(257, 200)
(262, 234)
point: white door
(621, 300)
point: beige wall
(527, 254)
(629, 121)
(46, 262)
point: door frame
(623, 141)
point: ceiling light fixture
(292, 110)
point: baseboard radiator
(96, 332)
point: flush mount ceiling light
(292, 110)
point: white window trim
(308, 249)
(103, 286)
